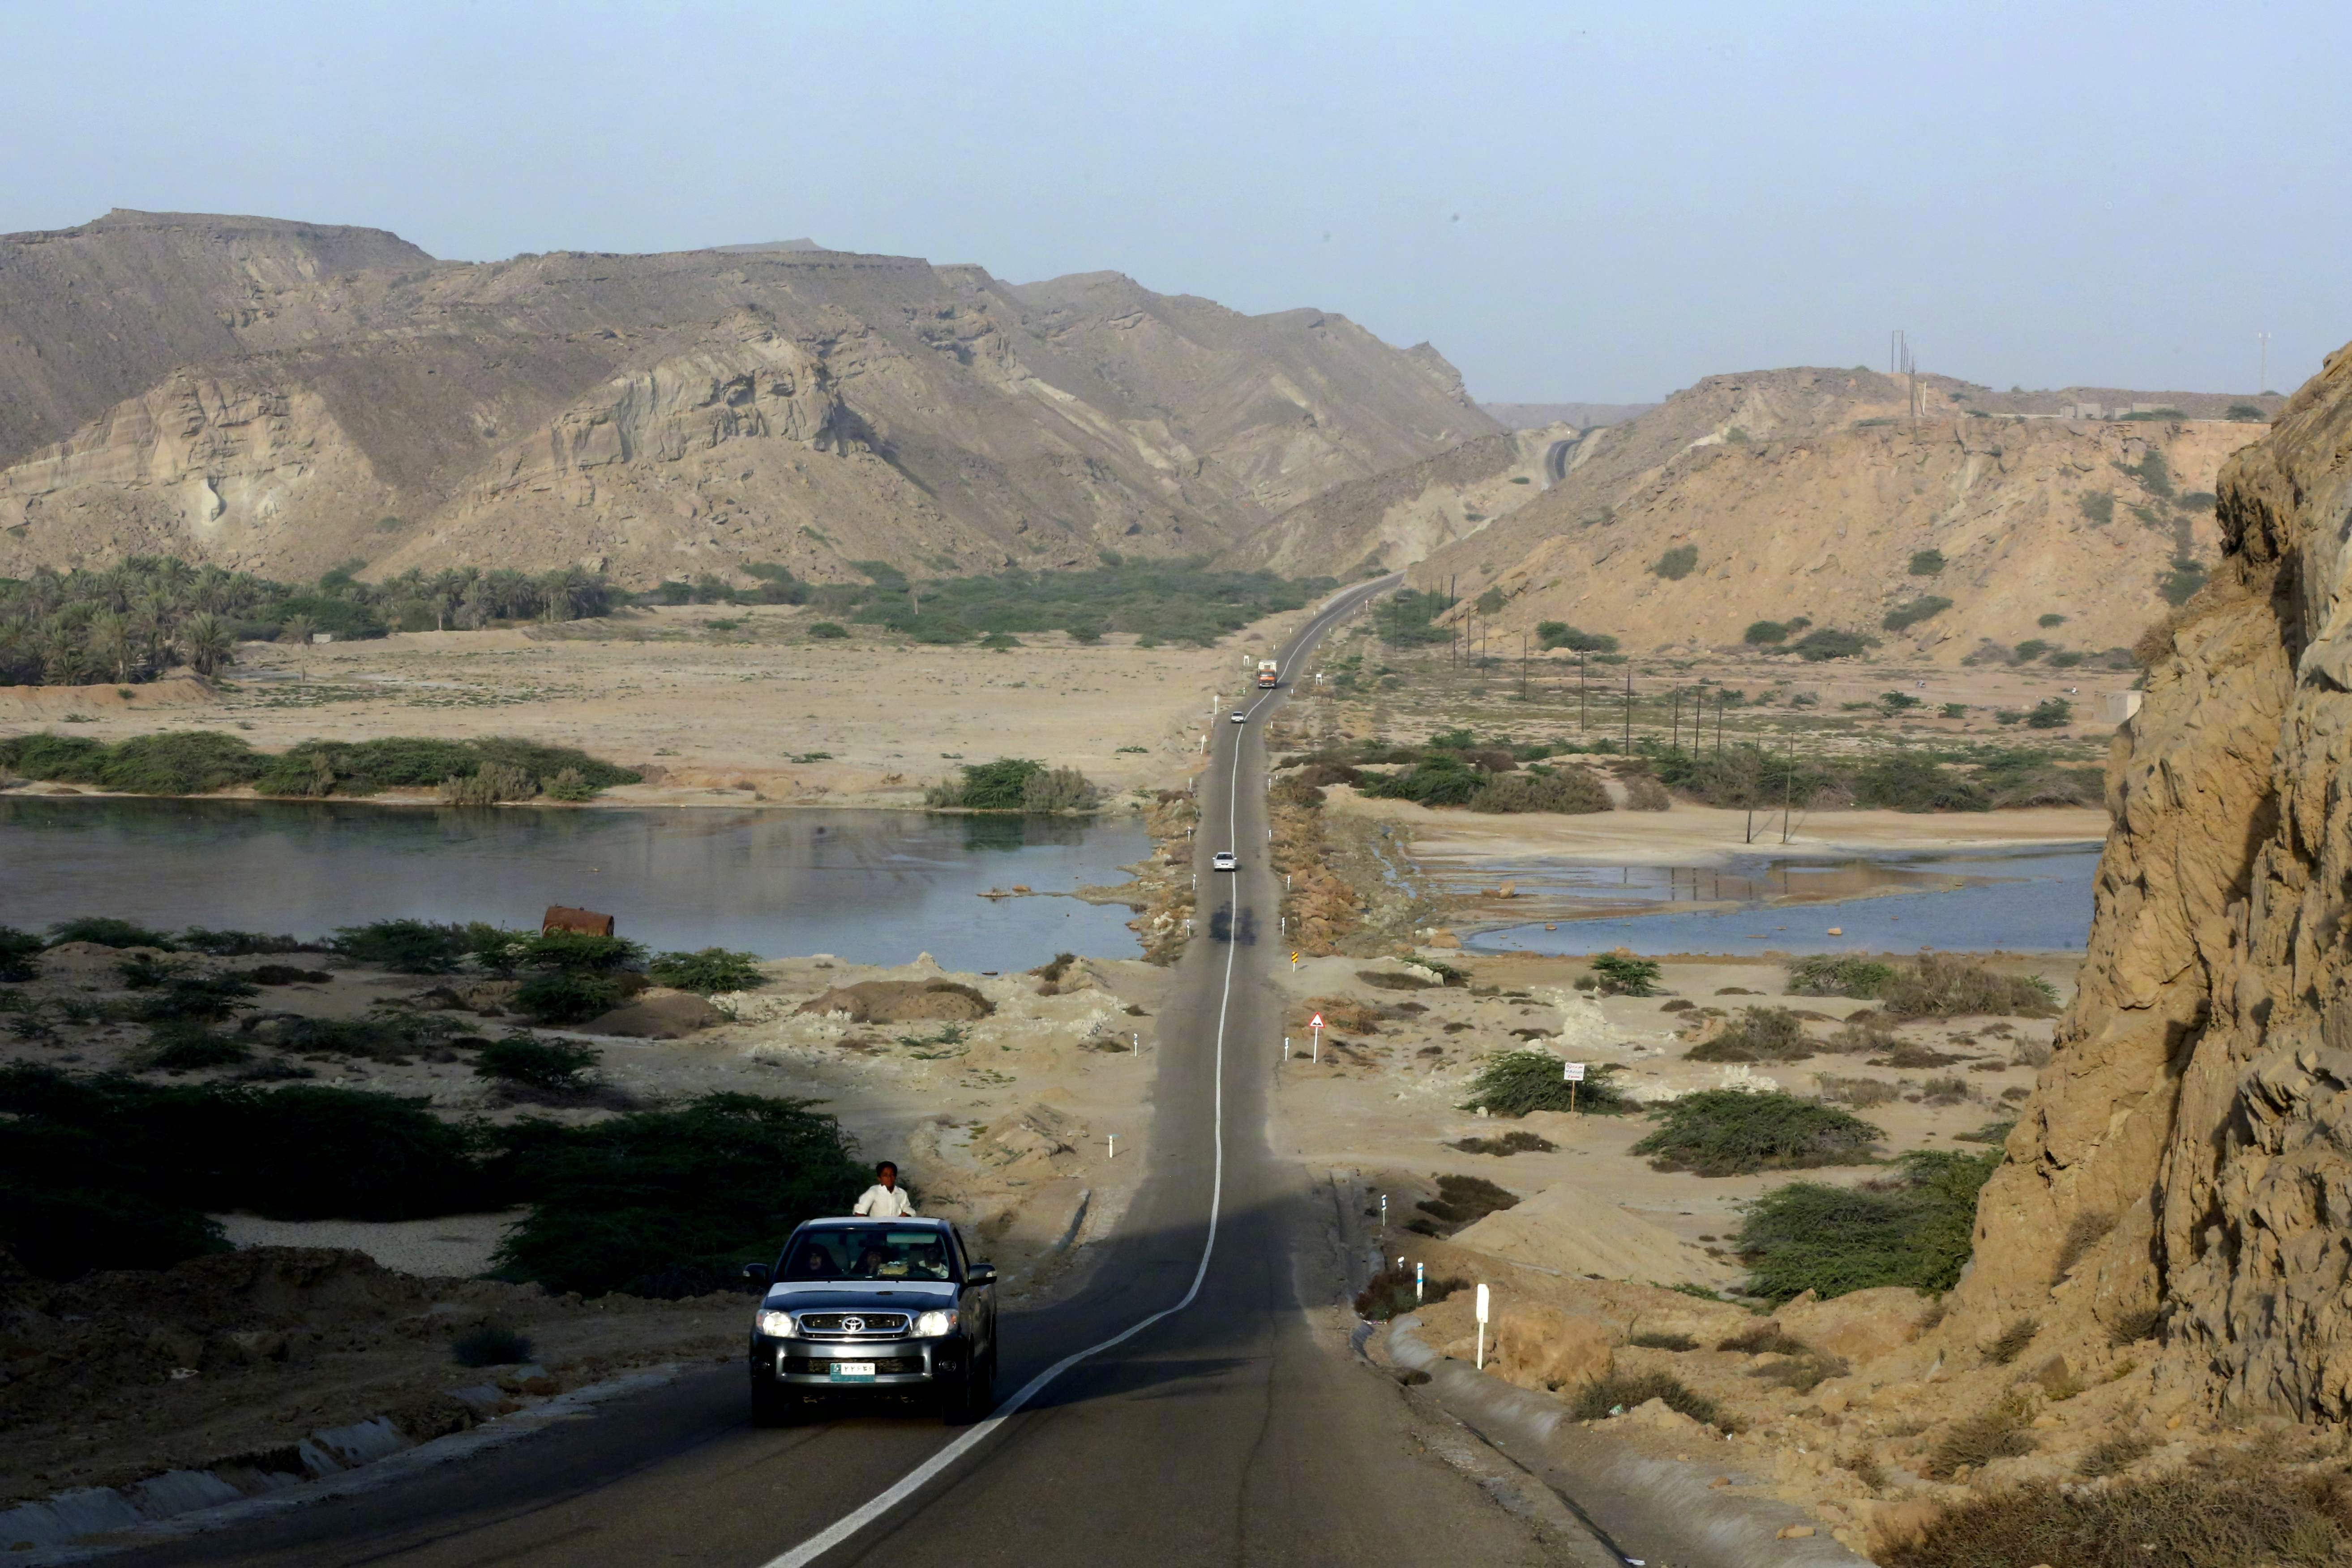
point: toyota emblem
(853, 1325)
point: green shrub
(1060, 790)
(179, 761)
(236, 943)
(1940, 985)
(1391, 1294)
(210, 998)
(406, 946)
(1826, 644)
(65, 759)
(1407, 618)
(1512, 1083)
(1439, 780)
(1613, 1392)
(629, 1198)
(19, 954)
(1730, 1133)
(1569, 790)
(1758, 1035)
(2154, 474)
(1622, 975)
(2051, 714)
(1926, 562)
(580, 951)
(552, 1067)
(1559, 634)
(2053, 620)
(384, 1036)
(61, 1231)
(828, 629)
(1000, 785)
(2098, 507)
(2003, 1432)
(708, 971)
(1676, 564)
(1904, 616)
(1832, 975)
(105, 931)
(1914, 1228)
(1461, 1201)
(2180, 584)
(489, 785)
(1763, 634)
(1490, 603)
(186, 1047)
(1906, 781)
(566, 996)
(569, 784)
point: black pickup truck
(861, 1307)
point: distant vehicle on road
(1268, 674)
(1240, 716)
(867, 1308)
(1222, 860)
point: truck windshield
(867, 1252)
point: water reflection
(868, 885)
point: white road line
(914, 1480)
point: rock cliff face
(281, 397)
(2190, 1148)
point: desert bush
(381, 1035)
(285, 974)
(1727, 1133)
(1825, 643)
(1906, 781)
(827, 629)
(1903, 618)
(1926, 562)
(191, 1046)
(1568, 789)
(19, 954)
(1916, 1227)
(1615, 1390)
(1559, 634)
(1060, 790)
(1944, 1091)
(238, 943)
(1678, 562)
(2098, 507)
(1834, 975)
(179, 761)
(491, 1344)
(318, 768)
(708, 971)
(2114, 1456)
(1765, 633)
(578, 953)
(1861, 1093)
(1940, 985)
(1622, 976)
(105, 931)
(1512, 1083)
(550, 1066)
(1644, 792)
(1439, 779)
(994, 785)
(2051, 714)
(569, 784)
(489, 785)
(406, 946)
(2011, 1341)
(1512, 1143)
(556, 996)
(1461, 1201)
(1993, 1133)
(205, 998)
(2002, 1432)
(1390, 1293)
(2141, 1323)
(1663, 1342)
(724, 1175)
(1758, 1035)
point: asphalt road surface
(1215, 1429)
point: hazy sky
(1574, 200)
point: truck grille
(854, 1325)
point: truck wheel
(771, 1405)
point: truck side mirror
(980, 1274)
(760, 1274)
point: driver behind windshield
(867, 1253)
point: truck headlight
(775, 1325)
(936, 1325)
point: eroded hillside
(1814, 494)
(2186, 1160)
(281, 397)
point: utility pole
(1675, 742)
(1523, 666)
(2262, 381)
(1787, 785)
(1722, 700)
(1583, 700)
(1629, 710)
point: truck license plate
(852, 1371)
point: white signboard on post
(1571, 1072)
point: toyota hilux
(857, 1307)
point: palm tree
(110, 644)
(209, 644)
(298, 629)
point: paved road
(1220, 1433)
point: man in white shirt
(886, 1199)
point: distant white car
(1240, 718)
(1222, 860)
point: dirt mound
(657, 1014)
(903, 1002)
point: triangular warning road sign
(1316, 1022)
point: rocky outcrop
(2189, 1150)
(1811, 494)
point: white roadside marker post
(1482, 1327)
(1114, 1145)
(1417, 1270)
(1384, 1214)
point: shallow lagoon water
(870, 887)
(2035, 900)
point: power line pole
(1523, 666)
(1629, 710)
(1583, 695)
(2262, 381)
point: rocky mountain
(1816, 493)
(281, 397)
(2185, 1165)
(1536, 415)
